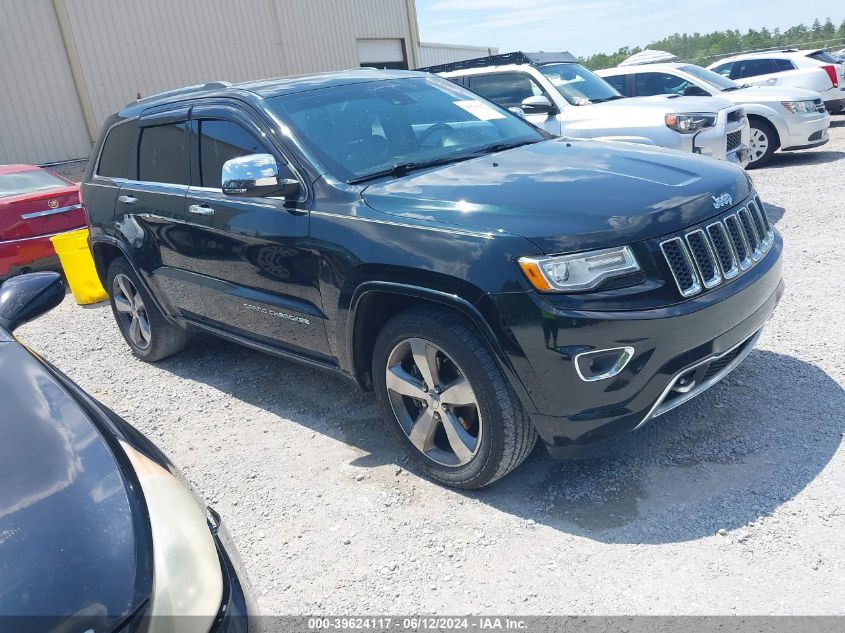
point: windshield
(578, 85)
(28, 181)
(714, 79)
(362, 129)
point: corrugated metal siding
(131, 46)
(434, 54)
(40, 116)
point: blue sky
(585, 27)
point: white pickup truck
(553, 91)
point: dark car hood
(567, 195)
(67, 534)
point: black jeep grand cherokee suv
(489, 283)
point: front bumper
(805, 130)
(238, 613)
(713, 142)
(668, 342)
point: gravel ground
(731, 504)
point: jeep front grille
(705, 258)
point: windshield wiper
(400, 169)
(606, 99)
(500, 147)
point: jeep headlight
(799, 107)
(690, 123)
(581, 271)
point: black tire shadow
(774, 212)
(735, 453)
(840, 122)
(721, 461)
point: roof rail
(211, 85)
(517, 57)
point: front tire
(148, 333)
(446, 400)
(764, 142)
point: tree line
(706, 48)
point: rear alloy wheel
(446, 399)
(762, 143)
(132, 314)
(149, 334)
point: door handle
(200, 209)
(127, 199)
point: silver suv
(555, 92)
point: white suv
(780, 117)
(811, 69)
(554, 92)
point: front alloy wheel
(763, 141)
(131, 311)
(446, 400)
(434, 402)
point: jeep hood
(566, 195)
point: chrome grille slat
(750, 233)
(703, 258)
(724, 250)
(680, 263)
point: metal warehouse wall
(40, 115)
(434, 54)
(121, 48)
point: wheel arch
(373, 304)
(771, 120)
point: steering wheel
(433, 129)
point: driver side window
(508, 90)
(221, 141)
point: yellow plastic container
(73, 252)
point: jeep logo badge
(724, 200)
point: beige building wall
(434, 54)
(66, 65)
(40, 114)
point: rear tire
(764, 142)
(478, 432)
(148, 333)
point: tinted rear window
(118, 148)
(163, 154)
(28, 181)
(824, 56)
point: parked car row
(553, 91)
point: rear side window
(726, 70)
(221, 141)
(618, 82)
(118, 148)
(509, 90)
(163, 154)
(783, 64)
(755, 68)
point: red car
(34, 204)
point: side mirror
(518, 112)
(256, 175)
(26, 297)
(695, 91)
(537, 105)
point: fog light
(602, 363)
